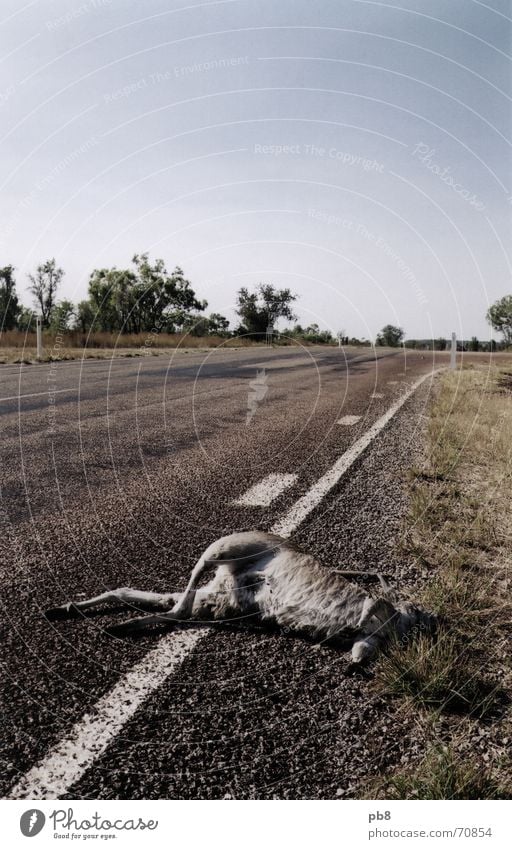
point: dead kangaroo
(263, 578)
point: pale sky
(357, 152)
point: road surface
(120, 473)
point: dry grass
(443, 775)
(100, 339)
(16, 347)
(459, 531)
(440, 675)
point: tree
(26, 319)
(202, 325)
(474, 344)
(84, 316)
(499, 316)
(44, 287)
(109, 296)
(390, 336)
(218, 324)
(264, 307)
(9, 304)
(61, 316)
(441, 344)
(141, 300)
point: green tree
(84, 316)
(62, 314)
(316, 336)
(391, 336)
(499, 316)
(474, 344)
(9, 304)
(204, 325)
(218, 324)
(441, 344)
(159, 294)
(262, 308)
(26, 319)
(45, 283)
(144, 299)
(110, 298)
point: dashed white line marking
(348, 420)
(262, 494)
(92, 735)
(392, 382)
(89, 738)
(305, 505)
(376, 395)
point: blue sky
(358, 152)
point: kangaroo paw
(65, 611)
(358, 669)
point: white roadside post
(39, 333)
(453, 354)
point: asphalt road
(119, 474)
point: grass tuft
(443, 774)
(438, 674)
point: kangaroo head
(414, 619)
(404, 620)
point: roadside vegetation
(459, 533)
(144, 306)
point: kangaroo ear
(389, 592)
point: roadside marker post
(453, 354)
(39, 334)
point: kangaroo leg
(380, 608)
(376, 576)
(201, 614)
(125, 595)
(184, 606)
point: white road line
(377, 395)
(305, 505)
(263, 493)
(348, 420)
(90, 736)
